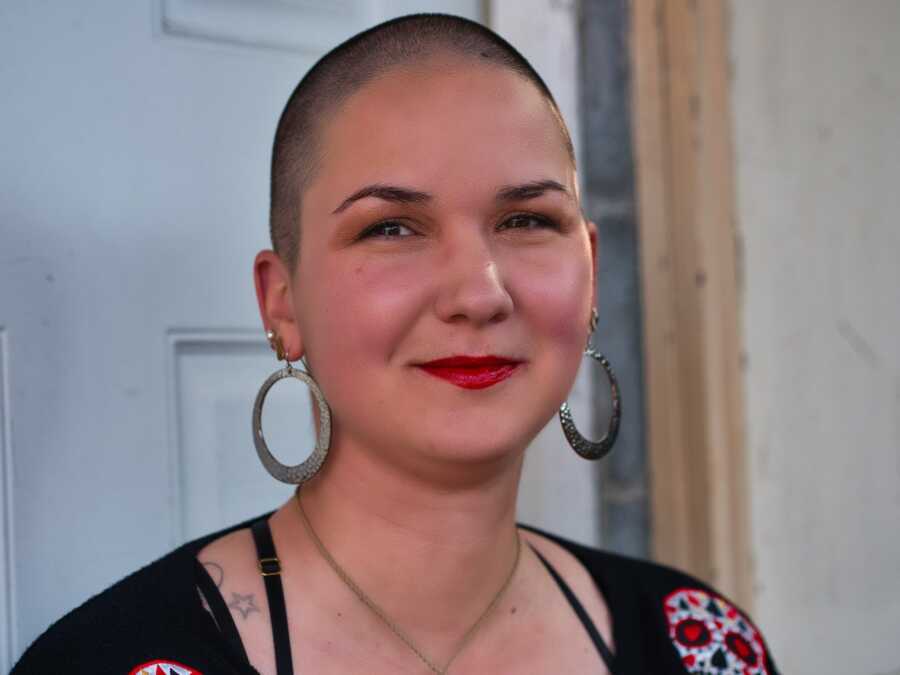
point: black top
(663, 621)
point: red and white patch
(711, 636)
(161, 667)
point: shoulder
(127, 614)
(632, 577)
(666, 620)
(153, 613)
(578, 579)
(231, 555)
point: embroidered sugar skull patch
(711, 636)
(160, 667)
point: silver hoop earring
(585, 447)
(298, 473)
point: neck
(432, 554)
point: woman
(434, 271)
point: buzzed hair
(344, 70)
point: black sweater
(664, 622)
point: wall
(816, 103)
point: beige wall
(816, 102)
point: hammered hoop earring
(298, 473)
(583, 446)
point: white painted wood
(133, 196)
(559, 489)
(218, 478)
(7, 585)
(311, 27)
(307, 27)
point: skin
(417, 498)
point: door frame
(8, 634)
(690, 275)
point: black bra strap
(270, 568)
(219, 610)
(589, 626)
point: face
(470, 244)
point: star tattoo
(245, 604)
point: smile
(472, 372)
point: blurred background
(740, 158)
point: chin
(476, 451)
(477, 439)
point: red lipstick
(472, 372)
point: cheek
(554, 294)
(354, 313)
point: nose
(471, 285)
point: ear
(276, 304)
(594, 239)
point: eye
(388, 229)
(528, 221)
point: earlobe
(275, 299)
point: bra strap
(270, 569)
(583, 616)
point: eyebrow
(513, 193)
(402, 195)
(389, 193)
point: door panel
(133, 197)
(134, 174)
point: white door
(134, 160)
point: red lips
(472, 372)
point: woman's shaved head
(401, 42)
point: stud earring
(276, 344)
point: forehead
(444, 124)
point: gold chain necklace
(395, 629)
